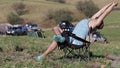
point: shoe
(38, 58)
(58, 38)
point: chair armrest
(78, 38)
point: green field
(10, 58)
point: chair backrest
(67, 34)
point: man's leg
(96, 22)
(106, 12)
(50, 49)
(96, 15)
(57, 30)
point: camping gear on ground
(96, 36)
(4, 27)
(36, 34)
(32, 26)
(34, 30)
(17, 30)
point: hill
(39, 8)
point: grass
(10, 58)
(36, 46)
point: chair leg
(81, 53)
(67, 52)
(88, 53)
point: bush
(60, 15)
(87, 7)
(60, 1)
(20, 8)
(14, 19)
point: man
(83, 27)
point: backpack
(66, 25)
(67, 28)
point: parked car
(33, 26)
(17, 30)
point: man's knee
(55, 28)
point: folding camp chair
(75, 51)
